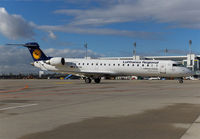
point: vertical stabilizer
(35, 51)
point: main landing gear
(88, 80)
(96, 80)
(180, 80)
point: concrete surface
(53, 109)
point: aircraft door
(162, 68)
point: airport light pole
(166, 51)
(85, 45)
(134, 51)
(190, 49)
(190, 44)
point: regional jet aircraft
(94, 69)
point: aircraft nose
(190, 72)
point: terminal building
(190, 61)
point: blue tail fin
(36, 52)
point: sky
(109, 27)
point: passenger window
(113, 64)
(127, 64)
(97, 64)
(138, 65)
(123, 65)
(104, 64)
(83, 63)
(87, 63)
(118, 64)
(101, 64)
(132, 64)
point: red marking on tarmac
(16, 90)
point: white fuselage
(99, 68)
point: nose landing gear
(180, 80)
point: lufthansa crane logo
(37, 54)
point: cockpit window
(177, 65)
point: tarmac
(113, 109)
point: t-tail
(36, 53)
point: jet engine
(56, 61)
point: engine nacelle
(57, 61)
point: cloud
(102, 31)
(177, 13)
(180, 13)
(77, 2)
(14, 26)
(17, 60)
(51, 35)
(70, 53)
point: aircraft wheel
(88, 80)
(97, 80)
(180, 80)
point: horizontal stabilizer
(35, 50)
